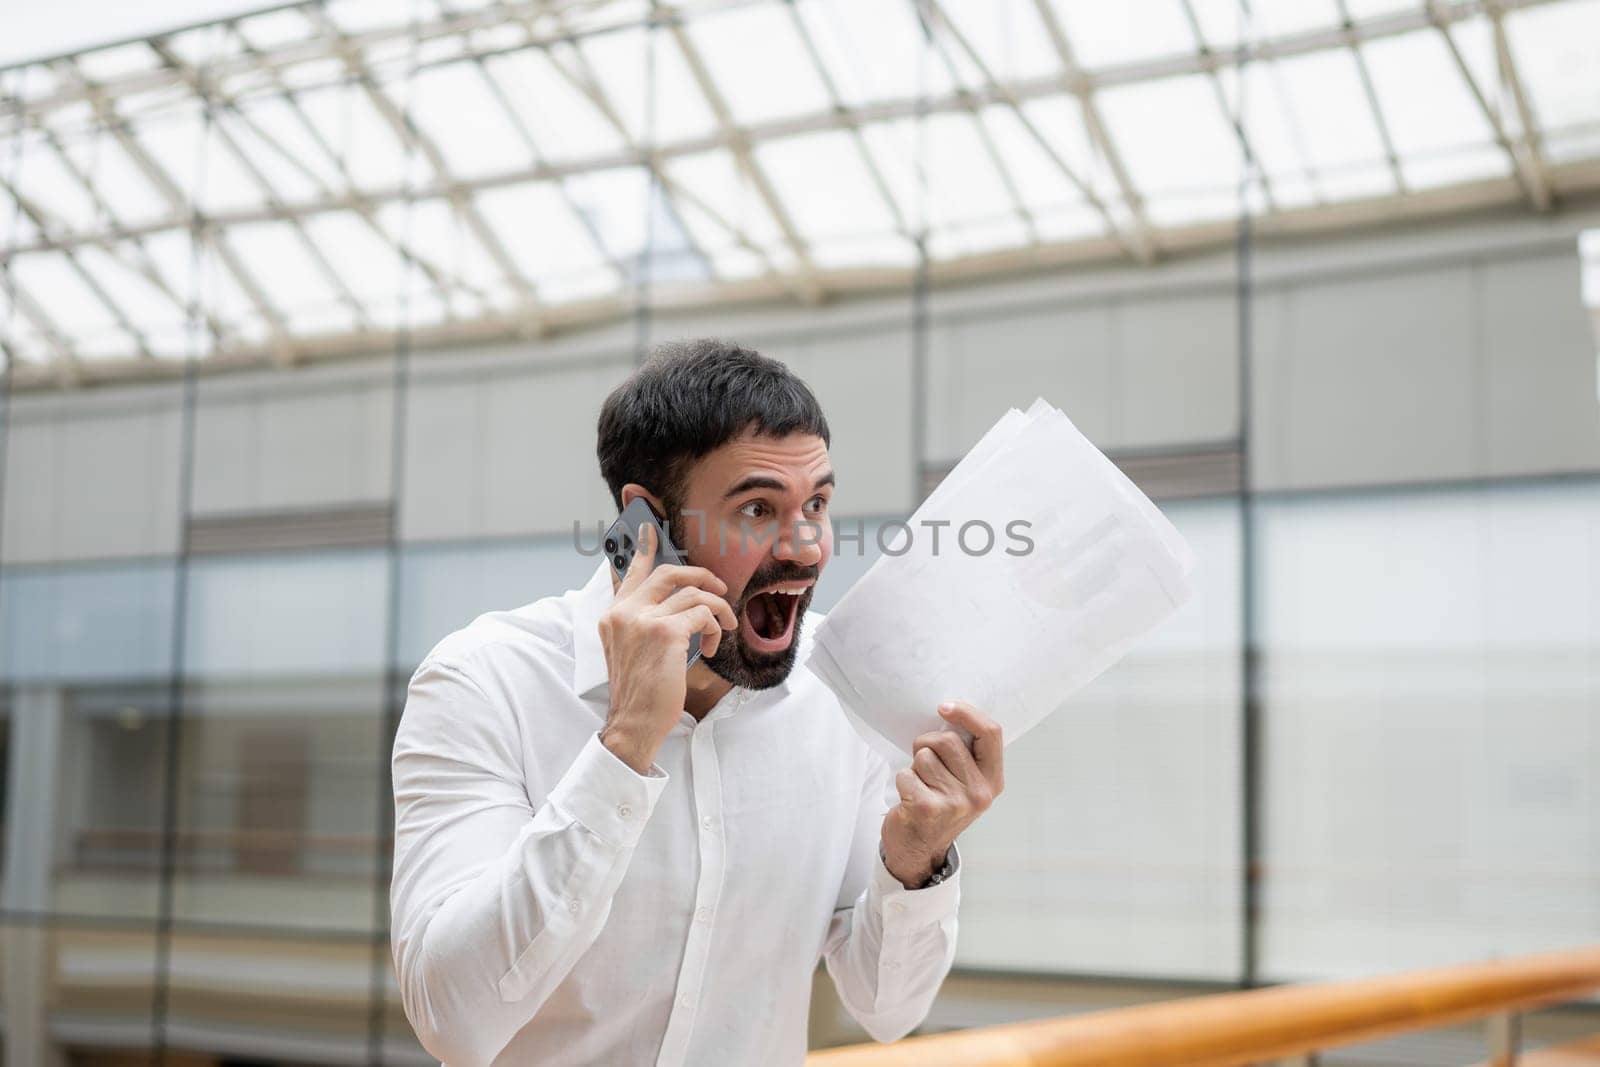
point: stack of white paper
(1013, 629)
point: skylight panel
(874, 49)
(277, 120)
(538, 226)
(1274, 137)
(104, 64)
(1107, 35)
(62, 294)
(356, 16)
(1177, 147)
(172, 253)
(1557, 47)
(434, 230)
(821, 180)
(280, 264)
(15, 228)
(872, 250)
(1007, 35)
(1039, 179)
(564, 123)
(45, 182)
(29, 344)
(369, 265)
(1059, 119)
(314, 72)
(459, 114)
(1438, 130)
(274, 29)
(205, 171)
(1223, 23)
(290, 178)
(962, 183)
(616, 204)
(205, 44)
(729, 259)
(1323, 95)
(717, 181)
(146, 306)
(647, 80)
(758, 63)
(976, 237)
(1071, 223)
(1283, 18)
(360, 137)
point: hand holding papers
(1075, 566)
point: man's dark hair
(689, 398)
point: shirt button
(685, 1001)
(703, 915)
(891, 966)
(708, 822)
(624, 810)
(573, 906)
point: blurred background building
(307, 316)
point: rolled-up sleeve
(889, 948)
(496, 895)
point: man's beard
(735, 661)
(743, 666)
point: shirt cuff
(900, 906)
(606, 795)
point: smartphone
(620, 544)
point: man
(602, 858)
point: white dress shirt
(552, 906)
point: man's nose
(801, 543)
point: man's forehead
(801, 454)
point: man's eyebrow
(762, 481)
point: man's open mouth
(769, 616)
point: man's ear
(632, 491)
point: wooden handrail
(1233, 1029)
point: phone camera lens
(611, 546)
(621, 561)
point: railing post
(1504, 1033)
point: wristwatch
(937, 876)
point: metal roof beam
(1353, 42)
(164, 184)
(222, 106)
(1532, 163)
(1399, 22)
(361, 205)
(460, 200)
(43, 222)
(1235, 116)
(736, 140)
(1535, 183)
(1142, 235)
(991, 83)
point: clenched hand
(946, 788)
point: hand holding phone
(657, 610)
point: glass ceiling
(314, 178)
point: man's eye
(818, 504)
(753, 510)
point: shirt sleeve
(494, 900)
(889, 948)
